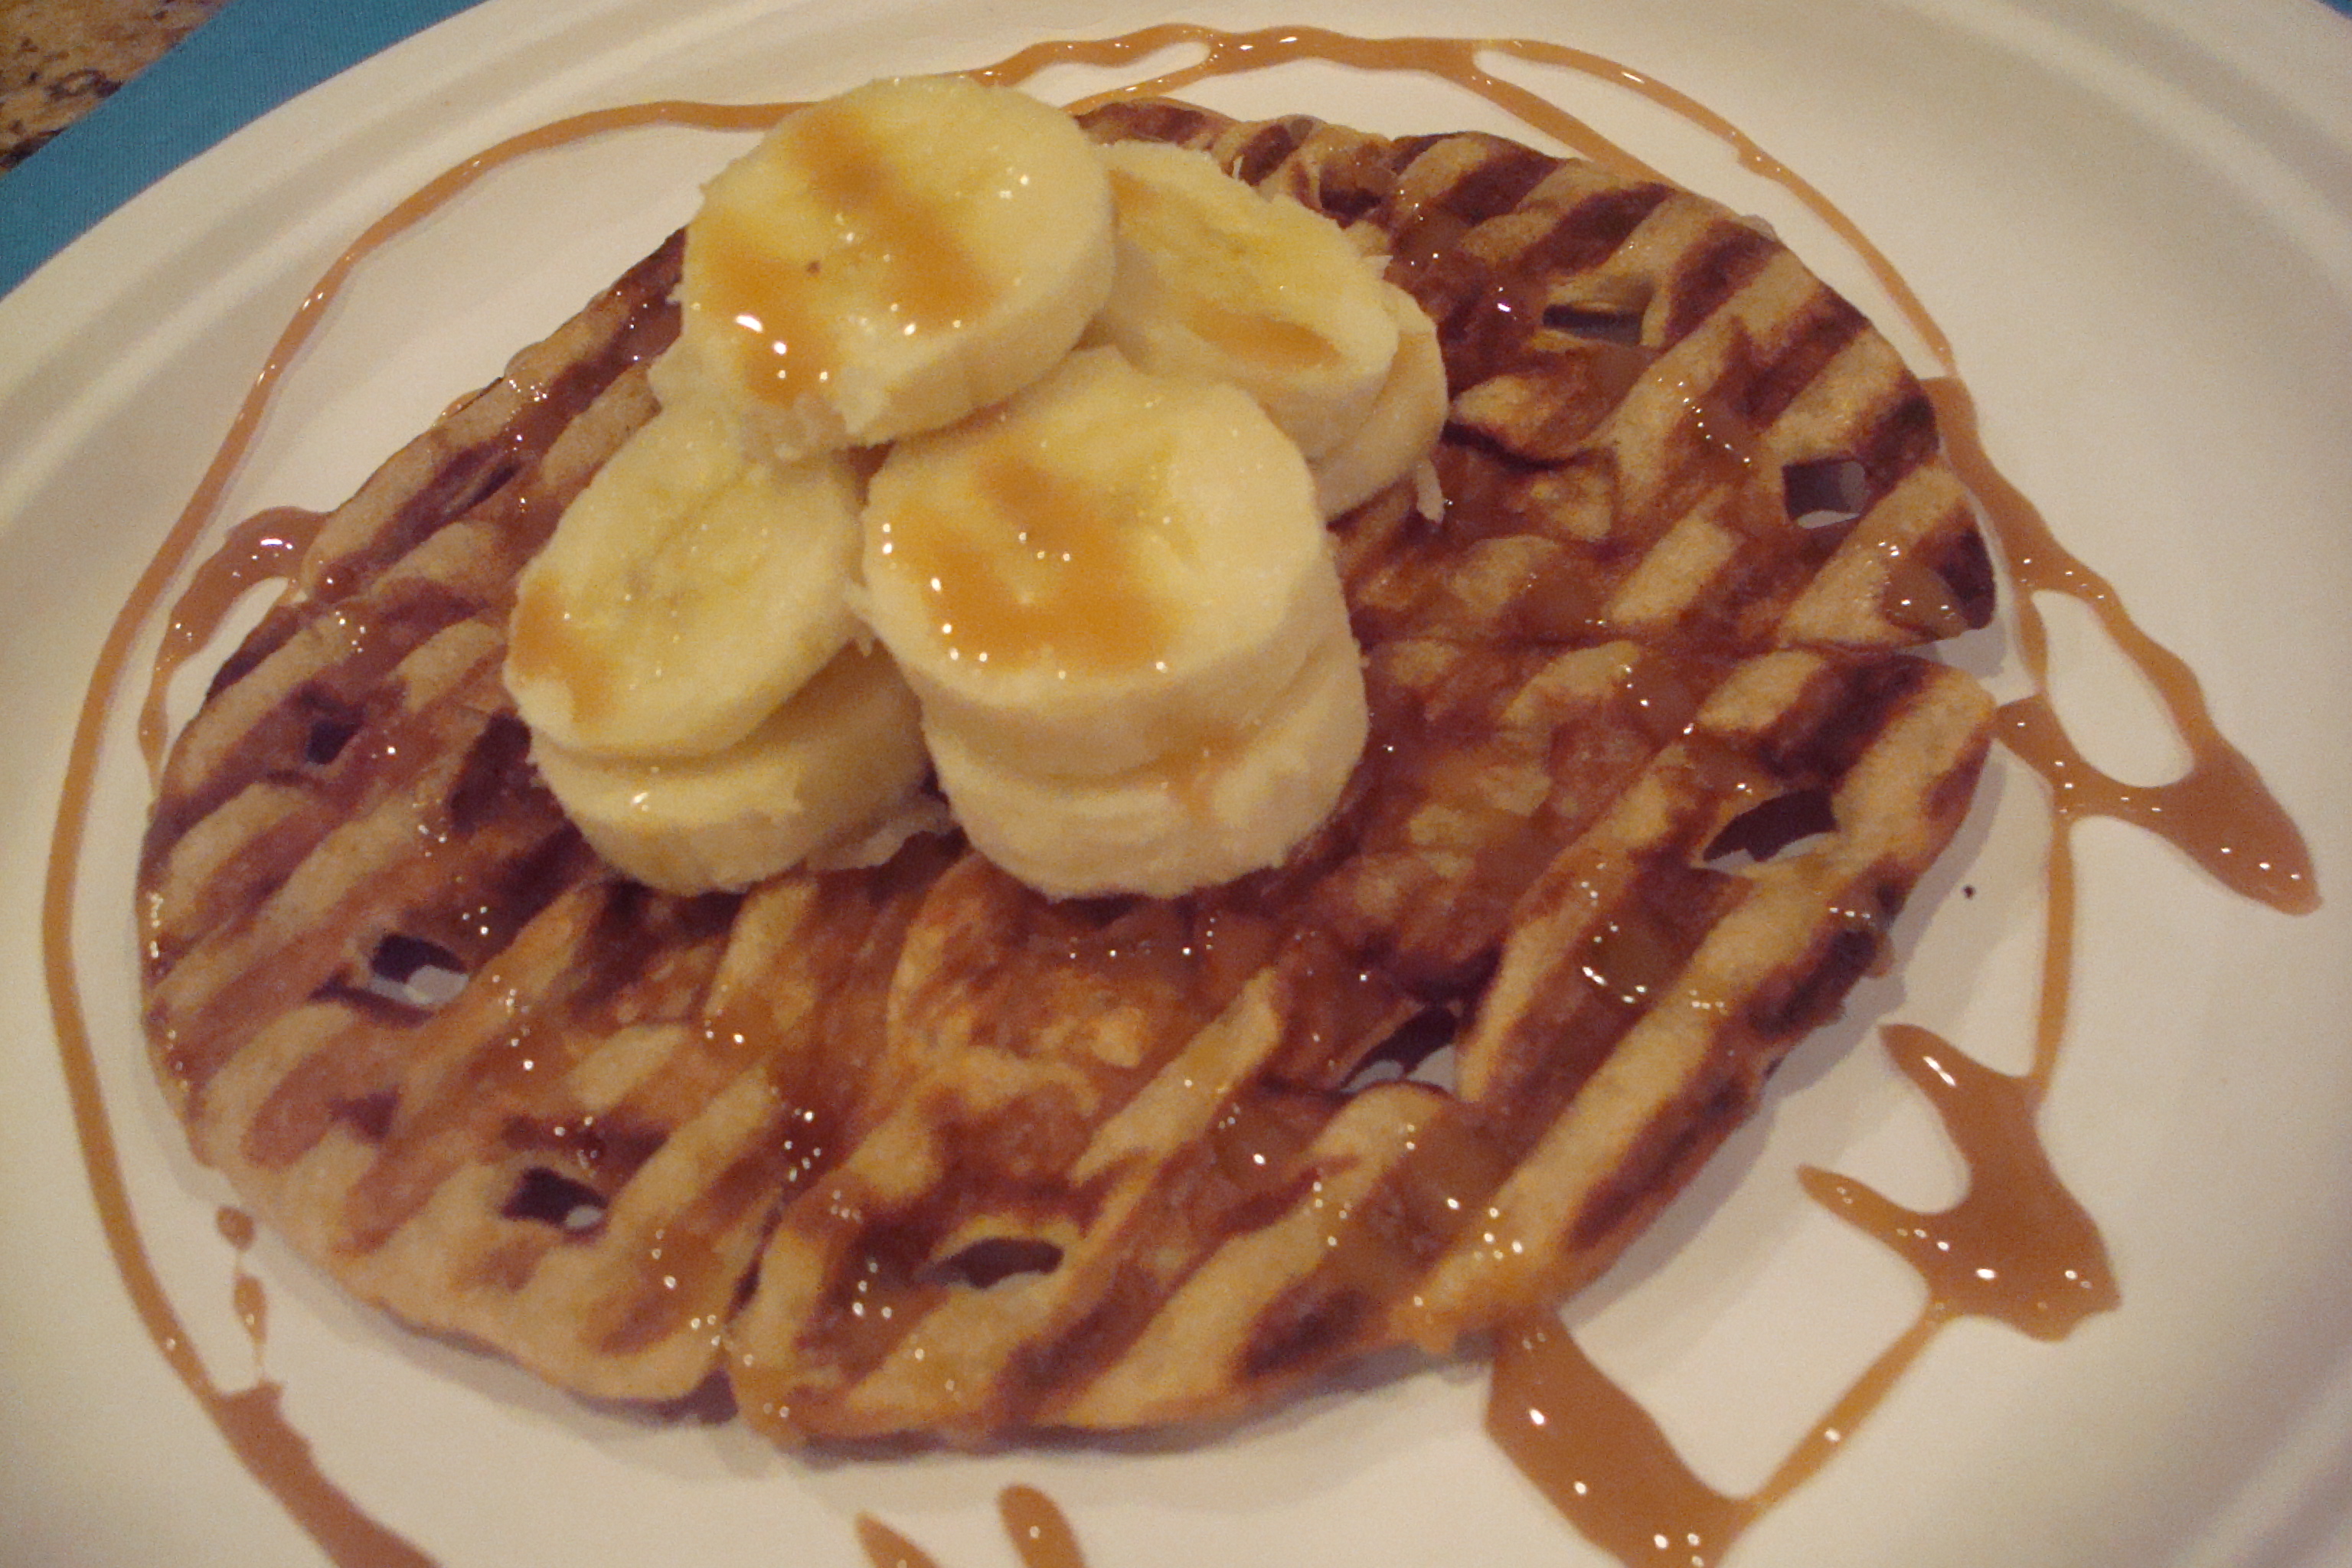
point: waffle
(914, 1150)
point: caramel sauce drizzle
(263, 547)
(249, 1420)
(1599, 1457)
(886, 1548)
(252, 1302)
(2016, 1247)
(1041, 1536)
(2218, 812)
(1456, 60)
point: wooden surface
(60, 58)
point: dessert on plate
(940, 1128)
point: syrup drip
(1456, 60)
(1611, 1470)
(2218, 812)
(1600, 1458)
(1041, 1536)
(262, 548)
(250, 1420)
(245, 1290)
(886, 1548)
(2016, 1247)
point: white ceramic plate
(2135, 221)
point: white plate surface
(2135, 222)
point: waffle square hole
(997, 1259)
(1599, 323)
(328, 735)
(415, 973)
(552, 1198)
(1785, 825)
(1826, 492)
(1421, 1049)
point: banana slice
(1402, 425)
(888, 260)
(1215, 809)
(1217, 281)
(1111, 559)
(687, 592)
(838, 761)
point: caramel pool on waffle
(916, 1150)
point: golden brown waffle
(917, 1150)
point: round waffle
(1653, 762)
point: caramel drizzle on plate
(262, 549)
(1611, 1470)
(1457, 61)
(2017, 1248)
(1041, 1536)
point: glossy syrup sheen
(1039, 568)
(543, 644)
(2031, 1256)
(779, 310)
(1040, 1536)
(262, 549)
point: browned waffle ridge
(916, 1150)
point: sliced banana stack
(889, 260)
(1116, 600)
(1218, 281)
(1112, 622)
